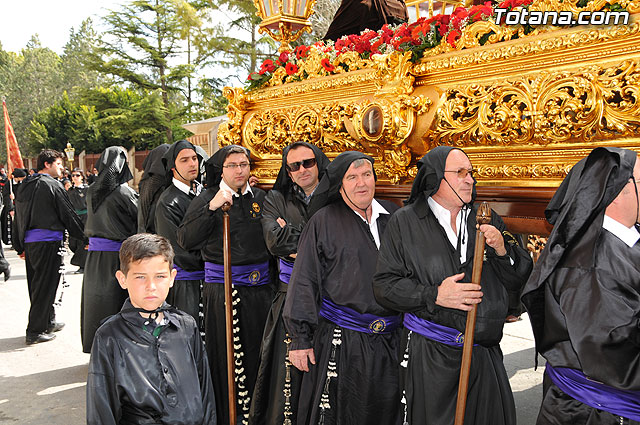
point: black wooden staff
(228, 310)
(483, 217)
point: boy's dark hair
(47, 155)
(144, 245)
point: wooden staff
(228, 310)
(483, 217)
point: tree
(75, 75)
(142, 46)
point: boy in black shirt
(148, 363)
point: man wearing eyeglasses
(424, 269)
(202, 229)
(287, 208)
(583, 296)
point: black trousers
(43, 263)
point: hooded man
(202, 229)
(182, 164)
(43, 212)
(112, 210)
(287, 208)
(153, 182)
(583, 296)
(78, 197)
(344, 341)
(9, 190)
(425, 258)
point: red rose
(267, 66)
(291, 68)
(302, 52)
(284, 58)
(327, 65)
(453, 36)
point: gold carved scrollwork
(229, 132)
(267, 133)
(594, 103)
(547, 171)
(572, 5)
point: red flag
(14, 159)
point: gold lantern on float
(284, 20)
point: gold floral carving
(593, 103)
(520, 172)
(535, 47)
(229, 132)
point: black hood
(283, 182)
(577, 212)
(329, 187)
(213, 165)
(169, 157)
(113, 171)
(152, 164)
(431, 173)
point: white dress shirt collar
(628, 235)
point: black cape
(153, 182)
(354, 16)
(78, 198)
(285, 200)
(415, 257)
(587, 275)
(136, 378)
(202, 229)
(170, 209)
(336, 260)
(114, 219)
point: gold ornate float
(525, 109)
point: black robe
(170, 210)
(336, 260)
(354, 16)
(78, 198)
(7, 207)
(42, 203)
(415, 257)
(136, 378)
(202, 229)
(102, 296)
(153, 182)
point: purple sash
(575, 384)
(434, 331)
(102, 244)
(185, 275)
(359, 322)
(42, 235)
(286, 267)
(247, 275)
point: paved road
(44, 384)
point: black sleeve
(512, 276)
(301, 308)
(281, 241)
(168, 218)
(204, 374)
(197, 224)
(103, 403)
(395, 284)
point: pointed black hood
(113, 170)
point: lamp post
(70, 152)
(284, 20)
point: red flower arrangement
(416, 37)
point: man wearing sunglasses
(424, 269)
(287, 208)
(583, 296)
